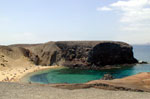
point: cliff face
(80, 53)
(111, 53)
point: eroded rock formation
(111, 53)
(79, 53)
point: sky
(39, 21)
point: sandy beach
(15, 74)
(11, 89)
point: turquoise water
(66, 75)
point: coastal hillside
(13, 57)
(15, 62)
(74, 53)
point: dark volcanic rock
(75, 53)
(143, 62)
(80, 53)
(111, 53)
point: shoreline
(138, 82)
(16, 74)
(25, 78)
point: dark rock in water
(84, 54)
(143, 62)
(107, 77)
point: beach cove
(14, 75)
(62, 74)
(21, 61)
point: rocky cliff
(79, 53)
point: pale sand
(15, 74)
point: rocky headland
(78, 53)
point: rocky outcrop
(107, 77)
(80, 53)
(143, 62)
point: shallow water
(66, 75)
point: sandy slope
(12, 68)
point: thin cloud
(104, 9)
(135, 14)
(133, 10)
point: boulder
(107, 77)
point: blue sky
(37, 21)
